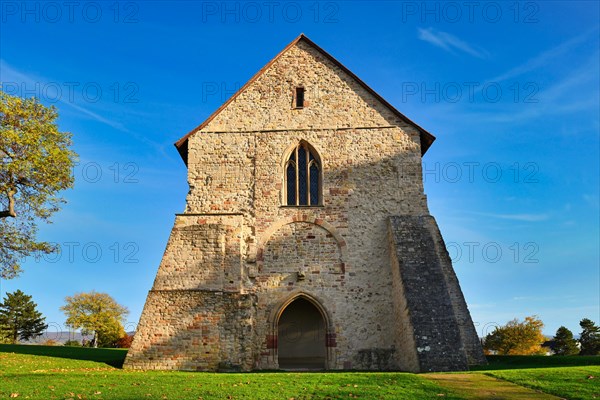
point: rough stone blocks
(365, 256)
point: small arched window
(302, 177)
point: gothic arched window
(302, 177)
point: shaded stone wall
(468, 334)
(436, 331)
(203, 252)
(194, 330)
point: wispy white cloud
(450, 43)
(592, 200)
(575, 92)
(478, 306)
(525, 217)
(12, 76)
(544, 298)
(545, 57)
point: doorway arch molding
(273, 323)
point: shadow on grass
(521, 362)
(116, 357)
(112, 357)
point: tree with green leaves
(96, 313)
(36, 163)
(516, 338)
(19, 318)
(589, 338)
(563, 343)
(110, 334)
(4, 339)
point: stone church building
(306, 242)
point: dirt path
(480, 386)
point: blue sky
(510, 89)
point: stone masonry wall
(407, 357)
(435, 328)
(239, 245)
(194, 330)
(363, 149)
(468, 333)
(333, 99)
(203, 252)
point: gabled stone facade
(358, 279)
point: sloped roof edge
(426, 138)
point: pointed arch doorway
(301, 332)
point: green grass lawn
(574, 383)
(35, 372)
(481, 386)
(518, 362)
(565, 377)
(112, 357)
(42, 377)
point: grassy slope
(565, 377)
(73, 376)
(480, 386)
(113, 357)
(518, 362)
(574, 383)
(40, 377)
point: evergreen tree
(4, 339)
(19, 319)
(564, 344)
(590, 338)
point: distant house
(548, 345)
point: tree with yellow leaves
(516, 338)
(36, 163)
(96, 313)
